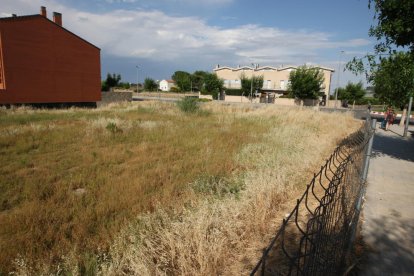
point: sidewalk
(388, 214)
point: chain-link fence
(317, 236)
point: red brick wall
(43, 63)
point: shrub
(188, 105)
(234, 92)
(175, 89)
(113, 128)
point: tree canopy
(247, 84)
(353, 92)
(394, 79)
(395, 24)
(112, 80)
(394, 28)
(197, 79)
(305, 82)
(182, 79)
(213, 85)
(150, 84)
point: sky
(163, 36)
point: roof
(38, 16)
(268, 68)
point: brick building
(41, 62)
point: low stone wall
(113, 97)
(240, 99)
(285, 101)
(208, 97)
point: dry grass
(144, 189)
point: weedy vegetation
(152, 188)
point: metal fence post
(368, 151)
(407, 120)
(367, 157)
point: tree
(197, 79)
(353, 92)
(394, 28)
(395, 24)
(111, 81)
(182, 79)
(150, 84)
(212, 85)
(394, 79)
(250, 84)
(305, 82)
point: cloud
(156, 36)
(121, 1)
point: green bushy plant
(188, 105)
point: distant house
(274, 79)
(42, 62)
(166, 85)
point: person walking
(389, 117)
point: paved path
(388, 228)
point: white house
(166, 85)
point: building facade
(166, 85)
(42, 62)
(274, 79)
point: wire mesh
(315, 238)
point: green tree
(213, 85)
(305, 83)
(112, 80)
(394, 28)
(183, 80)
(150, 84)
(394, 79)
(395, 24)
(250, 84)
(352, 92)
(197, 79)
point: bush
(372, 101)
(174, 89)
(234, 92)
(188, 105)
(287, 96)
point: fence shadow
(316, 237)
(388, 145)
(391, 247)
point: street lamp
(137, 77)
(339, 72)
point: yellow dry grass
(145, 189)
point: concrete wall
(331, 103)
(112, 97)
(239, 99)
(45, 63)
(209, 97)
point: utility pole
(407, 120)
(339, 72)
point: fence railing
(317, 236)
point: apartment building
(274, 79)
